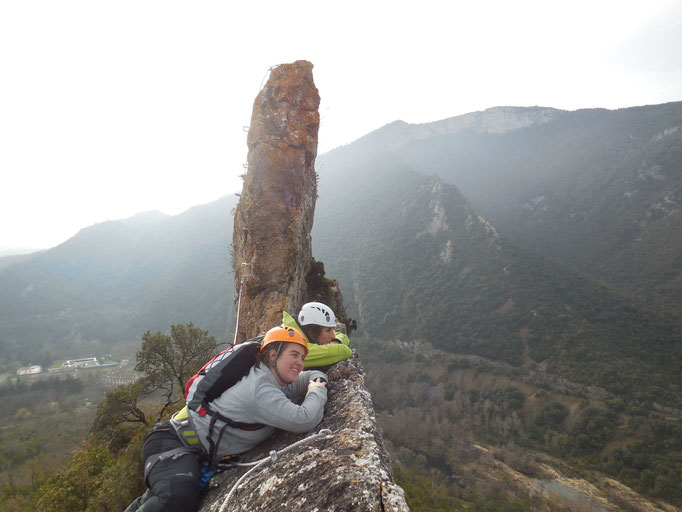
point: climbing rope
(272, 457)
(239, 307)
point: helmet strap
(274, 365)
(279, 377)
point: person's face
(326, 336)
(290, 362)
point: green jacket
(322, 355)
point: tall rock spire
(274, 217)
(348, 468)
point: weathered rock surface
(348, 470)
(272, 223)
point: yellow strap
(181, 415)
(191, 437)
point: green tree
(551, 415)
(121, 481)
(75, 487)
(498, 504)
(593, 430)
(169, 360)
(120, 410)
(421, 493)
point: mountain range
(421, 225)
(539, 237)
(597, 190)
(103, 288)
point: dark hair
(264, 357)
(312, 332)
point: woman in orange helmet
(242, 416)
(264, 396)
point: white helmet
(316, 313)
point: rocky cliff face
(272, 223)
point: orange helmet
(284, 334)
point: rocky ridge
(495, 120)
(347, 469)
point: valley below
(481, 428)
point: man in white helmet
(326, 344)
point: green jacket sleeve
(343, 338)
(324, 355)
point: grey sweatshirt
(257, 398)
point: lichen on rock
(274, 217)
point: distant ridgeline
(597, 190)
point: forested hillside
(417, 262)
(595, 189)
(468, 428)
(113, 281)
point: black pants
(173, 483)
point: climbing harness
(173, 454)
(209, 470)
(272, 457)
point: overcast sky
(108, 109)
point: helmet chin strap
(274, 366)
(279, 377)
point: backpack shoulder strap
(223, 372)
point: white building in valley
(30, 370)
(86, 362)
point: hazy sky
(111, 108)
